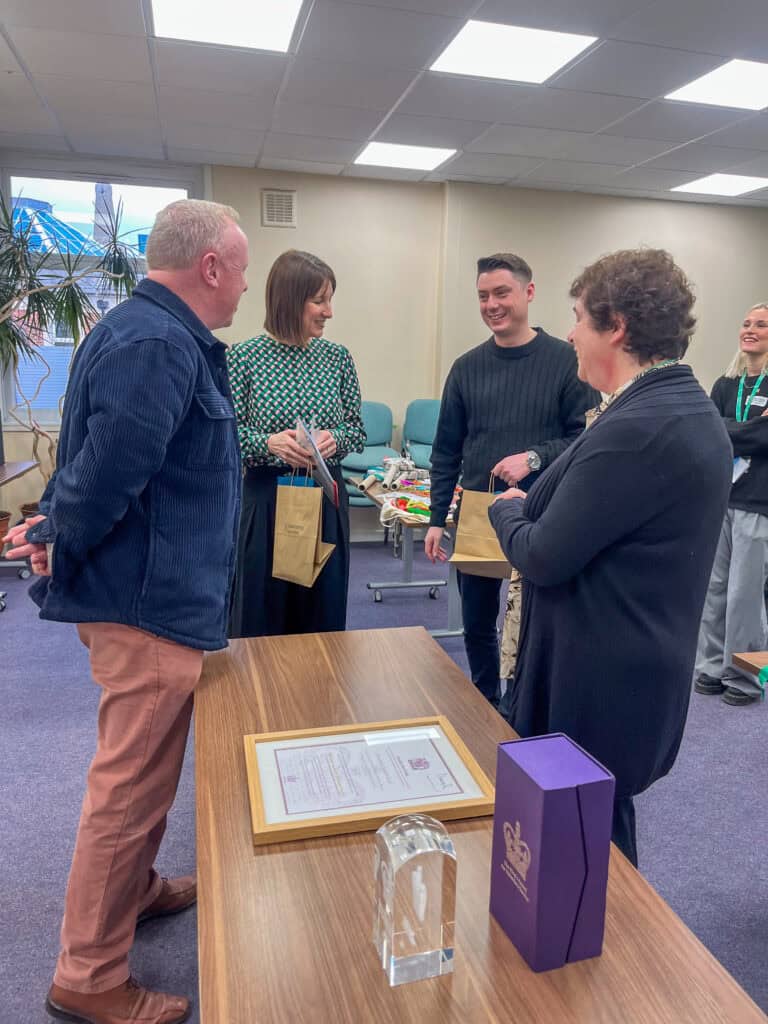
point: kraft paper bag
(476, 550)
(299, 553)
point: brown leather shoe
(129, 1003)
(176, 895)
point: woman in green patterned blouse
(290, 372)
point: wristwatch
(534, 461)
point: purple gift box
(551, 844)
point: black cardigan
(615, 542)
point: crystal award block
(415, 898)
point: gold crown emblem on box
(518, 852)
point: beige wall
(18, 448)
(721, 248)
(382, 239)
(405, 256)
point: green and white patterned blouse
(274, 384)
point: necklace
(593, 414)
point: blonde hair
(738, 364)
(185, 230)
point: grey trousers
(734, 616)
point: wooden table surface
(285, 930)
(13, 470)
(751, 661)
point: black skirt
(264, 606)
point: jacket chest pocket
(211, 432)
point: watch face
(534, 460)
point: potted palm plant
(42, 288)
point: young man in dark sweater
(510, 406)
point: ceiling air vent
(278, 208)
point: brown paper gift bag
(476, 550)
(299, 552)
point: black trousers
(480, 610)
(624, 831)
(264, 606)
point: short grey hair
(184, 230)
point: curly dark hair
(651, 293)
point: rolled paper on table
(368, 482)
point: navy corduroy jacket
(143, 508)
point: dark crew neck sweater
(501, 401)
(749, 439)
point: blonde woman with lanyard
(734, 614)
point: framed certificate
(351, 778)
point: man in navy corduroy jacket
(142, 517)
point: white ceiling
(87, 77)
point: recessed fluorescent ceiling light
(739, 83)
(487, 50)
(256, 24)
(723, 185)
(391, 154)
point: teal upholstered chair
(377, 420)
(419, 430)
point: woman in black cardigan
(616, 539)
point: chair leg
(386, 535)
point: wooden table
(13, 470)
(285, 930)
(752, 661)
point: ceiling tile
(615, 149)
(327, 122)
(114, 126)
(343, 84)
(219, 68)
(565, 110)
(15, 87)
(751, 133)
(474, 179)
(193, 135)
(25, 116)
(523, 141)
(652, 178)
(97, 144)
(491, 165)
(232, 110)
(629, 69)
(412, 130)
(451, 8)
(575, 172)
(84, 54)
(708, 26)
(181, 155)
(271, 163)
(757, 166)
(305, 147)
(706, 159)
(8, 62)
(388, 173)
(376, 35)
(590, 17)
(80, 95)
(438, 95)
(121, 18)
(23, 140)
(676, 122)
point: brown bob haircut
(295, 277)
(505, 261)
(649, 291)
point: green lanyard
(741, 416)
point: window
(71, 215)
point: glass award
(415, 898)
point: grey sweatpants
(734, 618)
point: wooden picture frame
(276, 786)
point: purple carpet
(701, 830)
